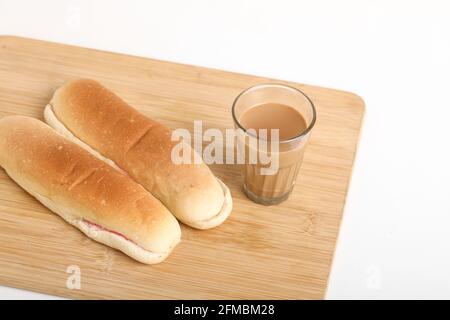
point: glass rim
(279, 85)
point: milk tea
(291, 124)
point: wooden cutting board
(282, 251)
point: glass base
(267, 201)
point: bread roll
(94, 117)
(106, 205)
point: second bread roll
(103, 123)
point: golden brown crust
(63, 172)
(140, 146)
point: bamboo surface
(260, 252)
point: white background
(395, 237)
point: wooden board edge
(361, 105)
(357, 101)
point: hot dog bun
(106, 205)
(94, 117)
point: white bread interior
(200, 223)
(219, 218)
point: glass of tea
(276, 122)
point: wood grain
(283, 251)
